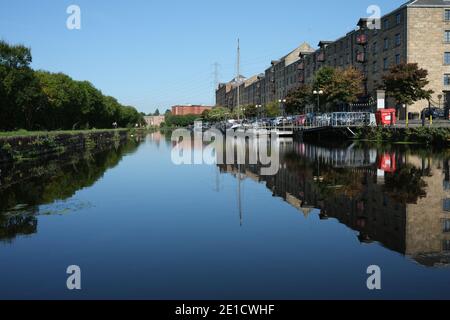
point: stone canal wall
(26, 147)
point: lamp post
(318, 93)
(258, 110)
(282, 102)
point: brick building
(189, 110)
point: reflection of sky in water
(146, 228)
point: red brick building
(189, 110)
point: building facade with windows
(416, 32)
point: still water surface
(141, 227)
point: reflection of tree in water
(25, 189)
(405, 185)
(12, 226)
(331, 181)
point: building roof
(428, 3)
(294, 55)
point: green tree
(272, 109)
(297, 99)
(347, 86)
(250, 111)
(47, 101)
(406, 83)
(157, 113)
(21, 97)
(217, 114)
(323, 80)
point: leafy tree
(157, 113)
(47, 101)
(297, 99)
(217, 114)
(339, 85)
(250, 111)
(21, 96)
(14, 57)
(347, 86)
(323, 80)
(272, 109)
(406, 83)
(179, 121)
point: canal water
(140, 226)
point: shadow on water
(398, 196)
(45, 187)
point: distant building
(154, 121)
(189, 110)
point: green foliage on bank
(25, 133)
(40, 100)
(172, 121)
(421, 135)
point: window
(397, 59)
(446, 205)
(447, 58)
(398, 39)
(447, 15)
(386, 24)
(386, 43)
(447, 36)
(447, 83)
(446, 227)
(446, 245)
(398, 18)
(375, 48)
(386, 64)
(375, 67)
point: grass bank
(420, 135)
(24, 145)
(25, 133)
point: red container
(386, 117)
(387, 163)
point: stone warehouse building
(416, 32)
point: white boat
(283, 133)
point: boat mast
(238, 80)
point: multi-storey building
(416, 32)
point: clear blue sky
(150, 53)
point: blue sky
(151, 54)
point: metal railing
(340, 119)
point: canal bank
(432, 136)
(435, 136)
(28, 146)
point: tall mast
(238, 79)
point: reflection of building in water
(406, 211)
(428, 221)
